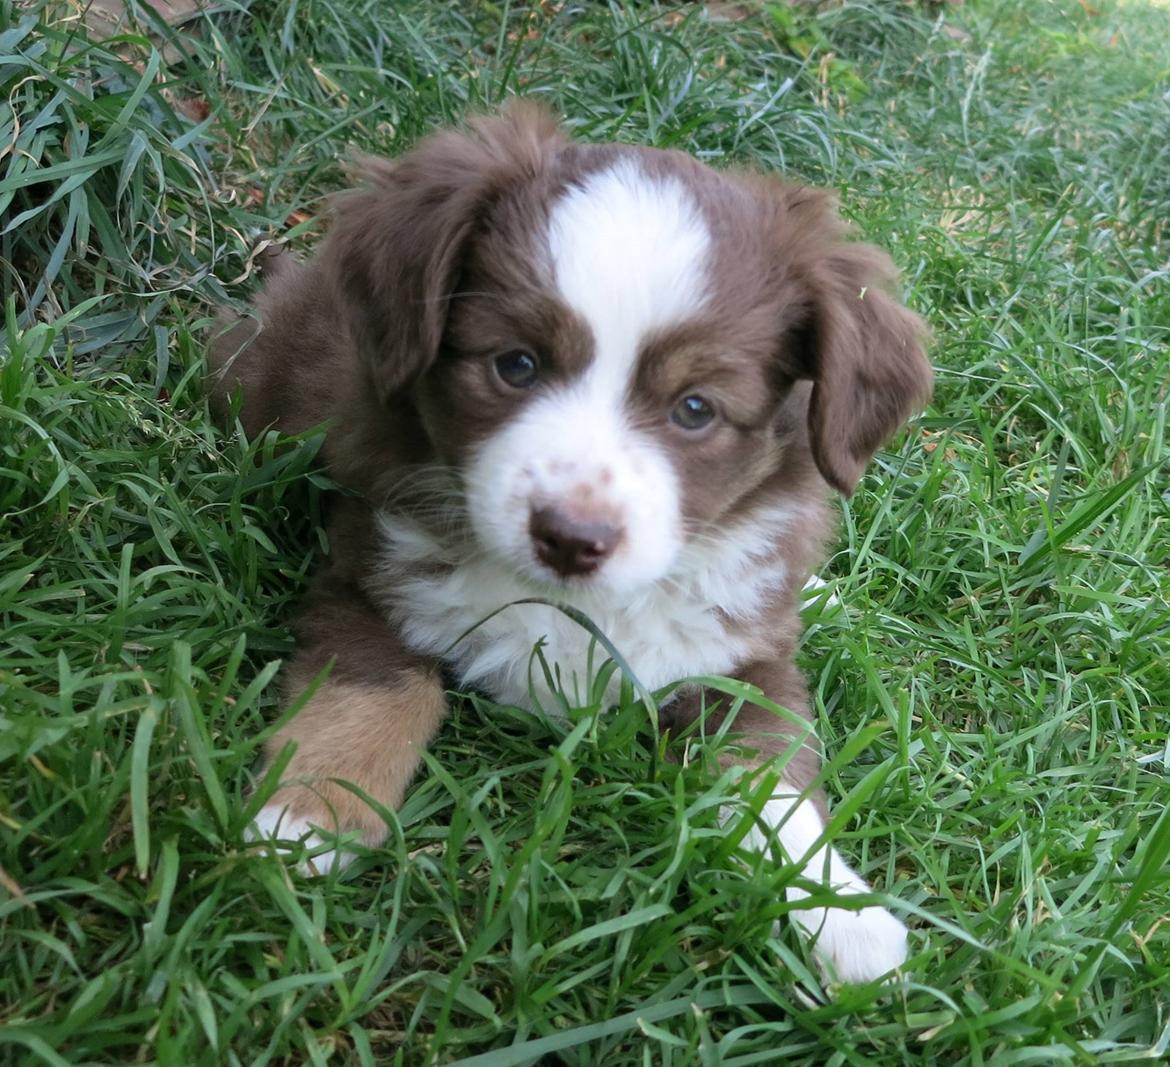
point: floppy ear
(393, 253)
(860, 346)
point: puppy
(602, 375)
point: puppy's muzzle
(570, 546)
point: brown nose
(571, 546)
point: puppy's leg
(857, 946)
(368, 724)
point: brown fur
(380, 706)
(372, 737)
(388, 332)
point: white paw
(854, 946)
(815, 590)
(273, 823)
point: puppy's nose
(571, 547)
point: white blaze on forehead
(629, 254)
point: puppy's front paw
(855, 946)
(276, 822)
(355, 749)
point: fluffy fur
(607, 376)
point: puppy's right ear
(394, 250)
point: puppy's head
(607, 342)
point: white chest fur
(446, 600)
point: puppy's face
(618, 333)
(600, 401)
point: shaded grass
(994, 691)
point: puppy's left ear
(861, 347)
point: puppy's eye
(692, 413)
(519, 369)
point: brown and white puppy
(603, 375)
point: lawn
(993, 691)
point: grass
(995, 692)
